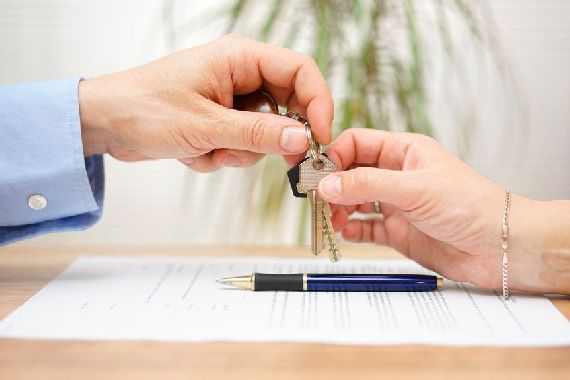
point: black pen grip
(265, 281)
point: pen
(317, 282)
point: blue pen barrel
(370, 282)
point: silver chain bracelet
(505, 245)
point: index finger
(284, 73)
(368, 147)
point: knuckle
(348, 133)
(351, 182)
(205, 169)
(422, 139)
(424, 144)
(311, 62)
(344, 136)
(250, 162)
(227, 41)
(254, 135)
(190, 143)
(331, 107)
(233, 37)
(365, 183)
(360, 176)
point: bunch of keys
(305, 176)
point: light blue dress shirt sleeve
(41, 153)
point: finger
(340, 218)
(128, 155)
(294, 159)
(254, 131)
(283, 72)
(367, 208)
(366, 184)
(341, 214)
(448, 261)
(235, 158)
(202, 164)
(366, 231)
(364, 208)
(393, 231)
(366, 147)
(388, 210)
(348, 209)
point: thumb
(366, 184)
(260, 132)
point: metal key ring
(314, 147)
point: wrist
(95, 126)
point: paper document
(177, 298)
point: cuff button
(37, 202)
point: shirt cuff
(43, 174)
(95, 172)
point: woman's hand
(180, 106)
(441, 213)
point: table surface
(24, 270)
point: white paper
(174, 298)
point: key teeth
(334, 252)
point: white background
(162, 203)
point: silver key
(317, 238)
(334, 251)
(310, 174)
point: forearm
(540, 241)
(555, 246)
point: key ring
(314, 146)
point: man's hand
(180, 106)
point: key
(321, 225)
(293, 175)
(334, 251)
(317, 238)
(315, 202)
(310, 174)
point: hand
(180, 106)
(439, 212)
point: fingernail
(230, 161)
(294, 139)
(330, 186)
